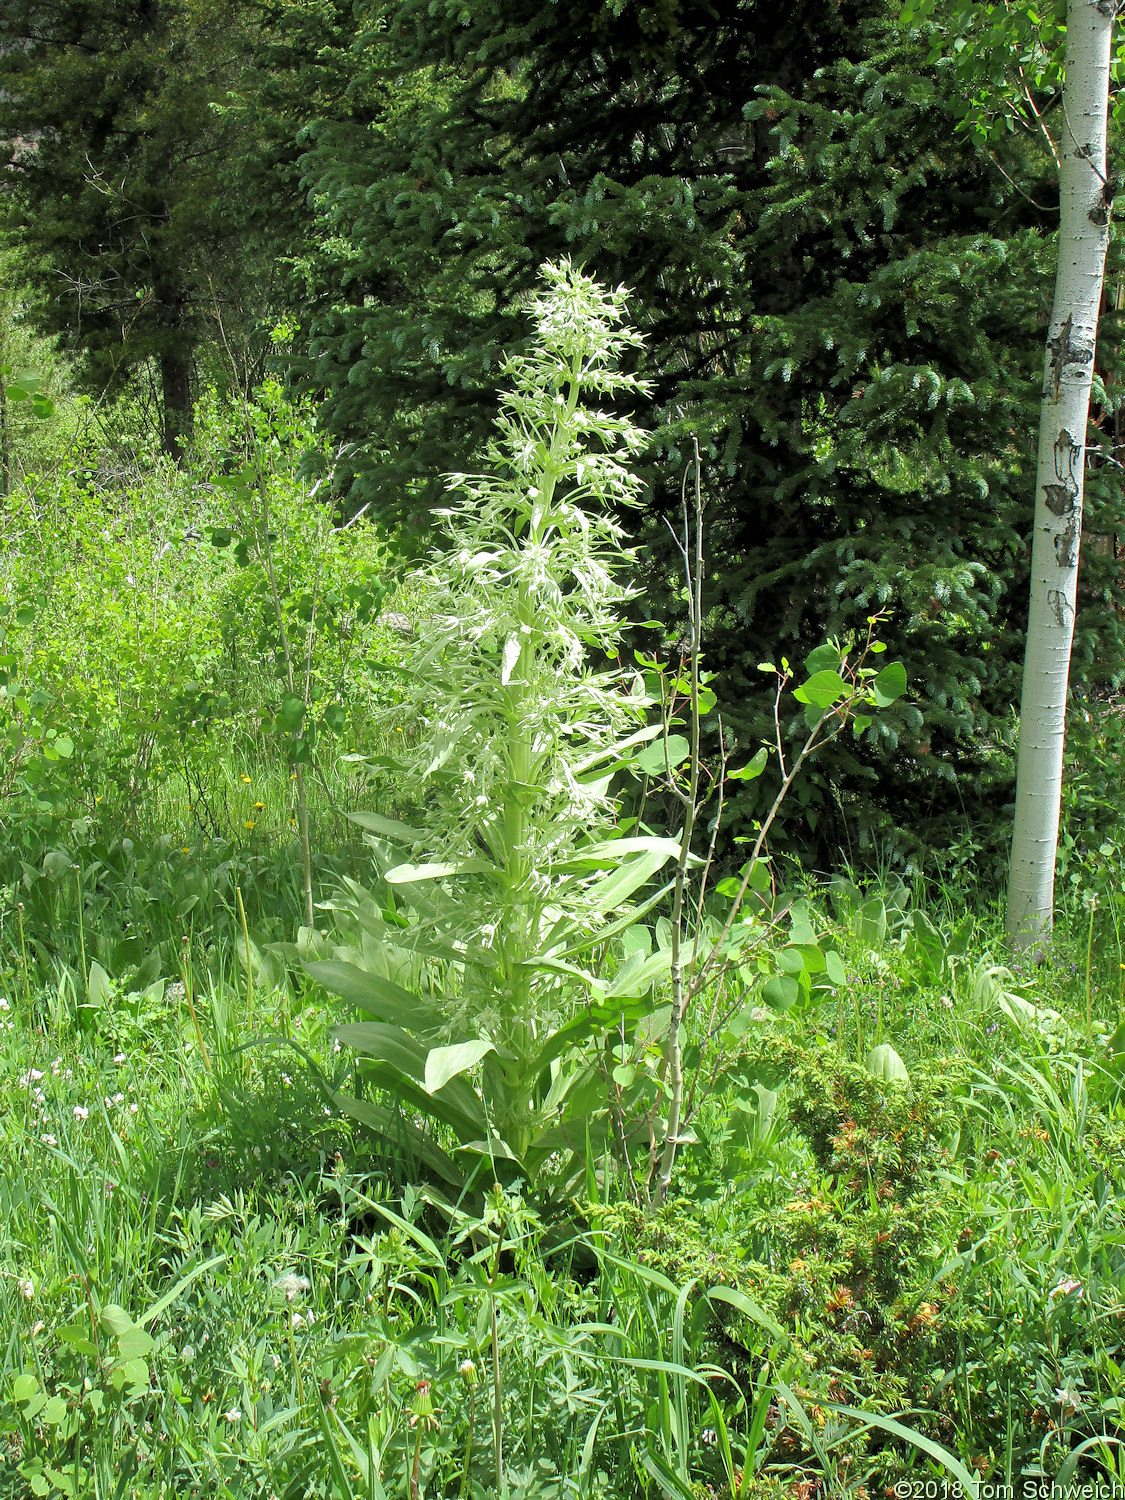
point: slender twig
(675, 1077)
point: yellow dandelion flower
(245, 778)
(259, 806)
(98, 799)
(249, 823)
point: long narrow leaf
(898, 1429)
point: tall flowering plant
(515, 865)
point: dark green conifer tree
(121, 132)
(843, 299)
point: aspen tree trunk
(1084, 204)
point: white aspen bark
(1084, 204)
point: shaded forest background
(843, 294)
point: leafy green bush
(141, 657)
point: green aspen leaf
(780, 992)
(790, 960)
(24, 1387)
(623, 1075)
(291, 713)
(834, 967)
(664, 754)
(890, 684)
(822, 690)
(53, 1412)
(79, 1340)
(115, 1319)
(824, 659)
(812, 957)
(134, 1343)
(444, 1063)
(752, 768)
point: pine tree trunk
(175, 367)
(1068, 369)
(175, 392)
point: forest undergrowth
(760, 1182)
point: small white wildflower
(4, 1004)
(233, 1415)
(292, 1284)
(285, 1078)
(48, 1140)
(39, 1327)
(119, 1058)
(257, 1149)
(335, 1044)
(1068, 1399)
(947, 1001)
(297, 1321)
(81, 1112)
(187, 1352)
(133, 1108)
(27, 1289)
(119, 1098)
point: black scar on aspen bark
(1061, 498)
(1066, 545)
(1059, 603)
(1064, 351)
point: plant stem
(82, 932)
(497, 1387)
(296, 1361)
(246, 950)
(1089, 961)
(694, 570)
(469, 1440)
